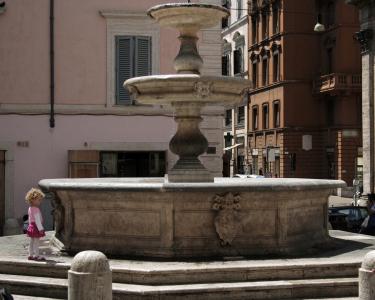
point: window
(265, 116)
(239, 9)
(255, 117)
(276, 114)
(254, 30)
(330, 14)
(276, 67)
(265, 71)
(225, 65)
(228, 117)
(254, 73)
(276, 18)
(120, 23)
(329, 60)
(237, 61)
(225, 21)
(241, 116)
(133, 58)
(264, 25)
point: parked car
(347, 218)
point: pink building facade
(94, 43)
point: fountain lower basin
(147, 217)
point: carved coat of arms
(227, 220)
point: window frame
(241, 117)
(125, 23)
(133, 58)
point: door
(83, 163)
(2, 191)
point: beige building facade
(63, 111)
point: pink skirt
(33, 232)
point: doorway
(132, 164)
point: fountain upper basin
(187, 15)
(165, 89)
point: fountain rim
(233, 185)
(187, 77)
(185, 5)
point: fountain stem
(188, 143)
(188, 60)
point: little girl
(35, 229)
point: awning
(232, 147)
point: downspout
(52, 63)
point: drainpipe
(52, 64)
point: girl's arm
(38, 222)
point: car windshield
(352, 212)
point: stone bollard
(90, 277)
(367, 277)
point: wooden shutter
(133, 58)
(83, 163)
(143, 56)
(2, 191)
(124, 67)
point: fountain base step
(329, 275)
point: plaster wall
(81, 89)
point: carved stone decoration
(58, 214)
(227, 220)
(203, 89)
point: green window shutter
(124, 68)
(143, 56)
(133, 58)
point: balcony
(337, 83)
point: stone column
(367, 277)
(365, 38)
(90, 277)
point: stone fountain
(190, 214)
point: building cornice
(239, 23)
(360, 3)
(99, 110)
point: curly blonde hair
(33, 194)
